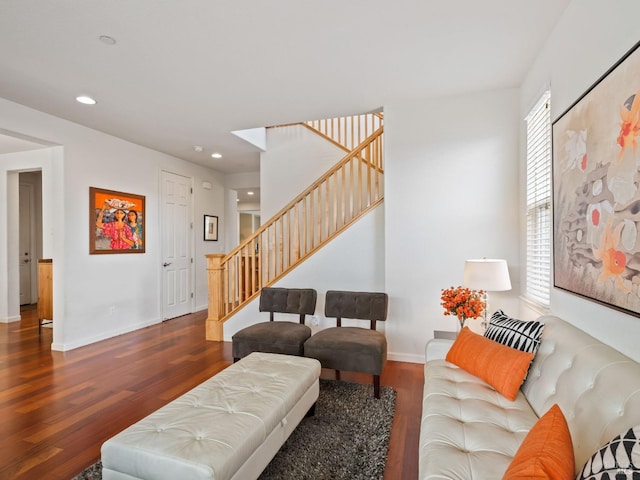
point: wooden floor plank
(57, 408)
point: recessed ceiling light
(86, 100)
(197, 148)
(106, 39)
(237, 199)
(216, 155)
(249, 193)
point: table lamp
(488, 275)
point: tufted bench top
(209, 432)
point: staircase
(331, 204)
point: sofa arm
(437, 349)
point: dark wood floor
(57, 408)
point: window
(538, 266)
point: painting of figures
(116, 222)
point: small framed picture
(211, 228)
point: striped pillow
(514, 333)
(618, 459)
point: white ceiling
(11, 144)
(188, 72)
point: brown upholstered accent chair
(352, 348)
(277, 336)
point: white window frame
(538, 203)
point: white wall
(207, 202)
(352, 261)
(451, 178)
(86, 285)
(232, 183)
(590, 37)
(451, 184)
(295, 158)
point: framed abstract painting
(116, 222)
(211, 228)
(596, 190)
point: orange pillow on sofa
(502, 367)
(546, 452)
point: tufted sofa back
(597, 387)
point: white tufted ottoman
(228, 427)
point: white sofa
(470, 431)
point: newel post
(214, 274)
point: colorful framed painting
(211, 228)
(596, 190)
(116, 222)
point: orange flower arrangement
(463, 303)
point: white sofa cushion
(596, 387)
(468, 430)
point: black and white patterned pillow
(617, 460)
(514, 333)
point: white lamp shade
(488, 274)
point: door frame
(191, 240)
(46, 160)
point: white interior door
(24, 250)
(177, 241)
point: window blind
(538, 267)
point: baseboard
(405, 357)
(64, 347)
(395, 356)
(15, 318)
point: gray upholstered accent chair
(352, 348)
(277, 336)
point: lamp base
(485, 322)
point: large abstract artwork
(596, 183)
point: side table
(445, 335)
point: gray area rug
(346, 439)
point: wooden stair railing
(347, 191)
(347, 132)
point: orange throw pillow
(546, 452)
(502, 367)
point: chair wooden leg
(337, 374)
(376, 386)
(312, 411)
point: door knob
(165, 264)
